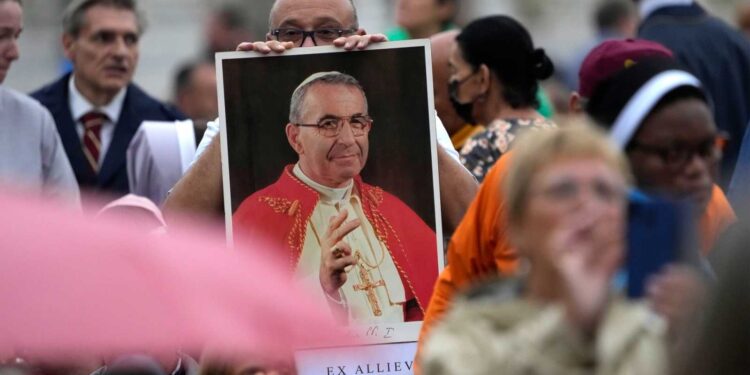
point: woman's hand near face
(588, 249)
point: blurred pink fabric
(73, 287)
(137, 208)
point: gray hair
(330, 78)
(15, 1)
(74, 15)
(275, 3)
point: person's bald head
(313, 14)
(441, 47)
(440, 44)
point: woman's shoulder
(498, 301)
(513, 126)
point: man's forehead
(102, 17)
(324, 90)
(321, 96)
(10, 15)
(312, 13)
(692, 115)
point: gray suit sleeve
(58, 177)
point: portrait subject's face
(331, 160)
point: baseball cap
(613, 55)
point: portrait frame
(254, 90)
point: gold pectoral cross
(369, 287)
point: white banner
(397, 358)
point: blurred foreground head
(566, 194)
(561, 177)
(77, 290)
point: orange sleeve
(439, 302)
(478, 248)
(478, 241)
(717, 217)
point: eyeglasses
(298, 36)
(568, 190)
(331, 126)
(676, 156)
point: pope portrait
(361, 249)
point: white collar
(328, 194)
(649, 6)
(79, 105)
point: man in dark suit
(96, 107)
(717, 54)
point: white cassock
(364, 301)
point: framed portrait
(330, 156)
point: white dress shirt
(647, 7)
(79, 106)
(377, 263)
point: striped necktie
(92, 143)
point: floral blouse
(482, 150)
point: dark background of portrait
(257, 92)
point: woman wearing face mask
(494, 72)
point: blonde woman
(567, 196)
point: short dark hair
(447, 23)
(505, 47)
(17, 1)
(182, 78)
(232, 15)
(73, 17)
(609, 13)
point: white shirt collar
(649, 6)
(328, 194)
(79, 105)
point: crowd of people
(593, 224)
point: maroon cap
(610, 57)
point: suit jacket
(137, 107)
(719, 56)
(278, 214)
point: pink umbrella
(72, 287)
